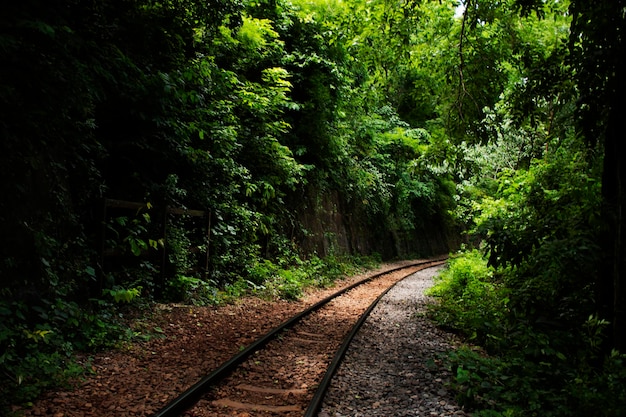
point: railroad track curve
(287, 371)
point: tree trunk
(612, 294)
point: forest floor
(141, 378)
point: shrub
(469, 298)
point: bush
(193, 290)
(505, 386)
(469, 299)
(38, 343)
(529, 306)
(601, 393)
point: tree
(598, 47)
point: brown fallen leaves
(144, 377)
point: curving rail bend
(189, 397)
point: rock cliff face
(332, 226)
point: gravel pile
(393, 366)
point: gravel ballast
(393, 366)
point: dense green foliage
(530, 302)
(541, 300)
(178, 151)
(170, 150)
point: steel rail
(322, 388)
(191, 396)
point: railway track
(287, 371)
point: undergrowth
(271, 280)
(39, 341)
(516, 365)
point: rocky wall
(330, 226)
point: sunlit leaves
(255, 33)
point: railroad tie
(226, 402)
